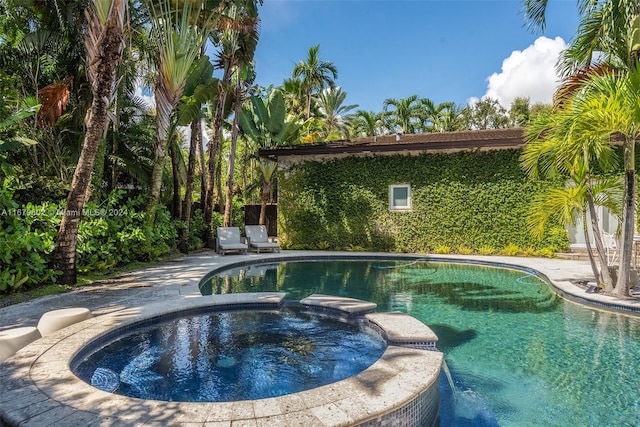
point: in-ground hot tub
(227, 355)
(401, 385)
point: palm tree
(266, 125)
(294, 96)
(237, 39)
(333, 113)
(605, 33)
(367, 123)
(315, 74)
(201, 87)
(104, 42)
(436, 118)
(607, 111)
(179, 44)
(609, 32)
(239, 44)
(556, 146)
(405, 113)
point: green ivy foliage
(472, 200)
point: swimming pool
(518, 354)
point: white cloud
(530, 73)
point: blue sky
(446, 50)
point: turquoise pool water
(518, 354)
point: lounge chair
(257, 238)
(229, 240)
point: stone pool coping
(40, 388)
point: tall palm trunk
(194, 142)
(604, 276)
(592, 261)
(232, 152)
(308, 106)
(203, 174)
(214, 151)
(180, 42)
(266, 192)
(628, 221)
(114, 148)
(104, 43)
(166, 101)
(174, 152)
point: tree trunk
(166, 101)
(176, 203)
(195, 141)
(308, 104)
(605, 276)
(232, 154)
(114, 147)
(98, 167)
(217, 194)
(628, 214)
(203, 171)
(64, 258)
(214, 150)
(594, 267)
(104, 44)
(266, 192)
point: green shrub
(324, 245)
(510, 250)
(463, 250)
(486, 250)
(25, 248)
(197, 229)
(112, 233)
(545, 252)
(443, 250)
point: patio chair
(229, 240)
(257, 238)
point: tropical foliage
(601, 63)
(98, 169)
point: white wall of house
(608, 223)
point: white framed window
(400, 197)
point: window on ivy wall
(400, 197)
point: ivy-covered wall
(465, 202)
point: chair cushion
(230, 246)
(265, 245)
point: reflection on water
(518, 354)
(229, 356)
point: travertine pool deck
(173, 284)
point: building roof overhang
(490, 139)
